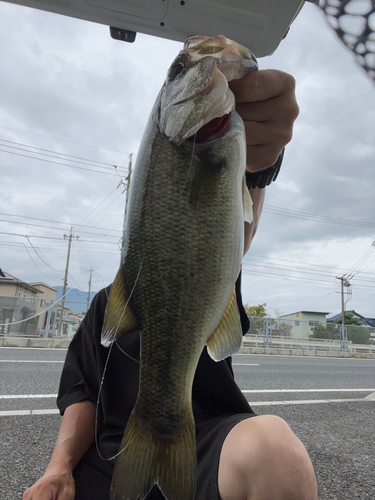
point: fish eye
(174, 71)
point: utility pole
(65, 278)
(344, 283)
(127, 189)
(88, 296)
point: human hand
(266, 102)
(54, 485)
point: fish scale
(181, 255)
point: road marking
(27, 396)
(253, 391)
(370, 397)
(303, 402)
(15, 413)
(53, 411)
(29, 361)
(245, 391)
(328, 358)
(56, 349)
(245, 364)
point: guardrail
(294, 343)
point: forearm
(257, 195)
(76, 434)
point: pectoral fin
(247, 202)
(118, 318)
(227, 338)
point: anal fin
(118, 318)
(227, 338)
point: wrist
(59, 467)
(263, 178)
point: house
(369, 323)
(17, 303)
(70, 321)
(302, 322)
(48, 297)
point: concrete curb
(306, 352)
(27, 342)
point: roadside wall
(64, 343)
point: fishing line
(105, 369)
(127, 354)
(205, 97)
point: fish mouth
(210, 129)
(214, 104)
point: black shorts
(93, 475)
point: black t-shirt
(214, 394)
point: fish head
(196, 90)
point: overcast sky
(73, 97)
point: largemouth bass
(181, 256)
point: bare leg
(261, 459)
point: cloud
(69, 89)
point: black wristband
(264, 178)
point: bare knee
(262, 459)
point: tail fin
(169, 462)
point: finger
(267, 133)
(283, 108)
(261, 85)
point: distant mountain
(75, 300)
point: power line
(54, 222)
(114, 210)
(105, 208)
(357, 266)
(63, 164)
(54, 228)
(297, 214)
(261, 257)
(18, 244)
(86, 161)
(83, 215)
(64, 140)
(297, 278)
(35, 264)
(56, 238)
(44, 261)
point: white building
(302, 322)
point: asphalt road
(323, 400)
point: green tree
(325, 332)
(260, 310)
(350, 319)
(358, 334)
(256, 314)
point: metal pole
(88, 296)
(48, 320)
(342, 314)
(127, 189)
(267, 333)
(65, 279)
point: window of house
(296, 323)
(313, 323)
